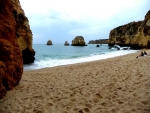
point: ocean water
(58, 54)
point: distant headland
(100, 41)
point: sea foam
(59, 62)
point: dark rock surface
(28, 56)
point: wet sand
(114, 85)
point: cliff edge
(15, 44)
(134, 34)
(23, 32)
(11, 63)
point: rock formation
(66, 43)
(100, 41)
(28, 56)
(135, 34)
(49, 42)
(97, 45)
(23, 32)
(11, 62)
(78, 41)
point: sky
(63, 20)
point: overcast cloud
(62, 20)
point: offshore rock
(11, 62)
(23, 33)
(49, 42)
(78, 41)
(135, 34)
(66, 43)
(97, 45)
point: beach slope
(114, 85)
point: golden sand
(114, 85)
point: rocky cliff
(100, 41)
(15, 44)
(134, 34)
(11, 63)
(23, 32)
(78, 41)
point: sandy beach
(114, 85)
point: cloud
(61, 20)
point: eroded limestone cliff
(23, 32)
(15, 44)
(11, 63)
(134, 34)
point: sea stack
(78, 41)
(66, 43)
(49, 42)
(134, 34)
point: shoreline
(84, 63)
(118, 84)
(64, 62)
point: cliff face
(23, 32)
(78, 41)
(11, 63)
(100, 41)
(15, 44)
(135, 34)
